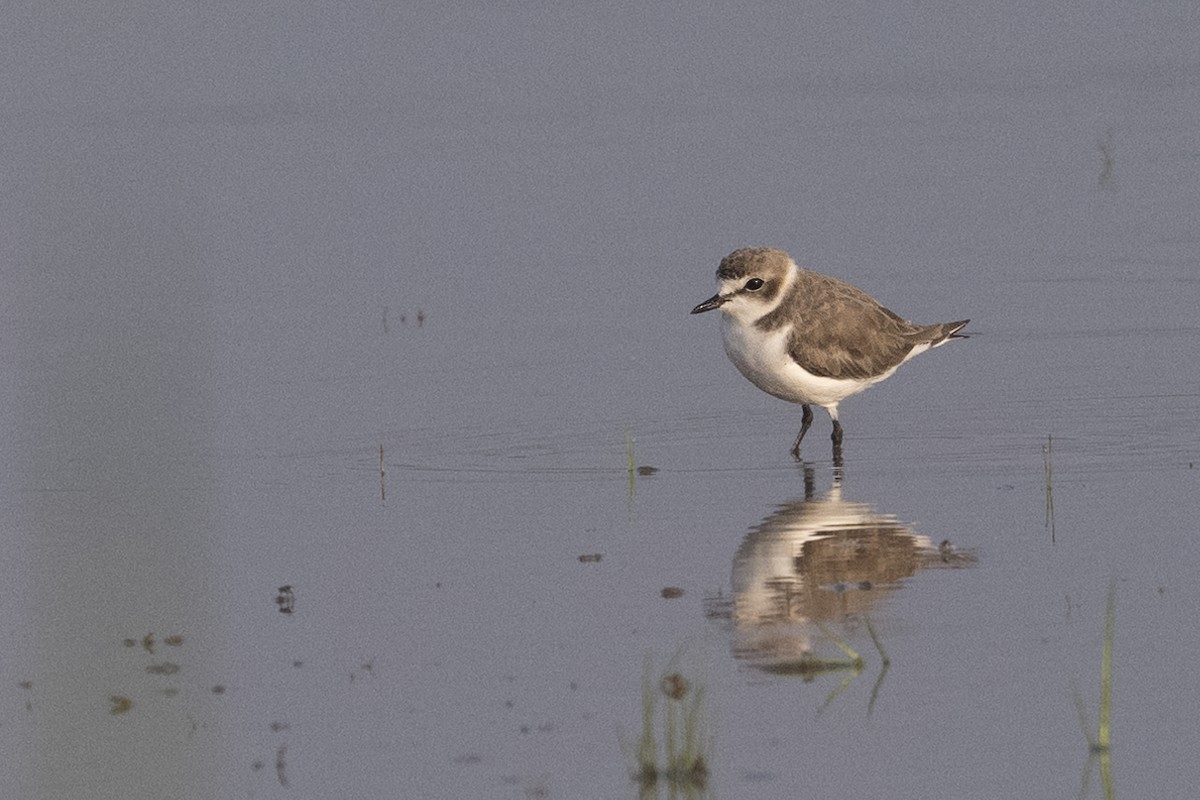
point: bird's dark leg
(805, 422)
(837, 446)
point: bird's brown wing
(847, 334)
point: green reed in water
(681, 762)
(1048, 466)
(629, 461)
(1099, 745)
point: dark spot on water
(671, 592)
(591, 558)
(759, 777)
(163, 668)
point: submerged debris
(286, 599)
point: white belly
(764, 359)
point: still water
(359, 441)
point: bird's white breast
(762, 356)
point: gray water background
(218, 228)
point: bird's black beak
(716, 301)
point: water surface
(246, 253)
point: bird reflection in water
(807, 577)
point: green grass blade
(1103, 737)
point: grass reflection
(809, 666)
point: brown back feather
(849, 335)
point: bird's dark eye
(754, 284)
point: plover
(809, 338)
